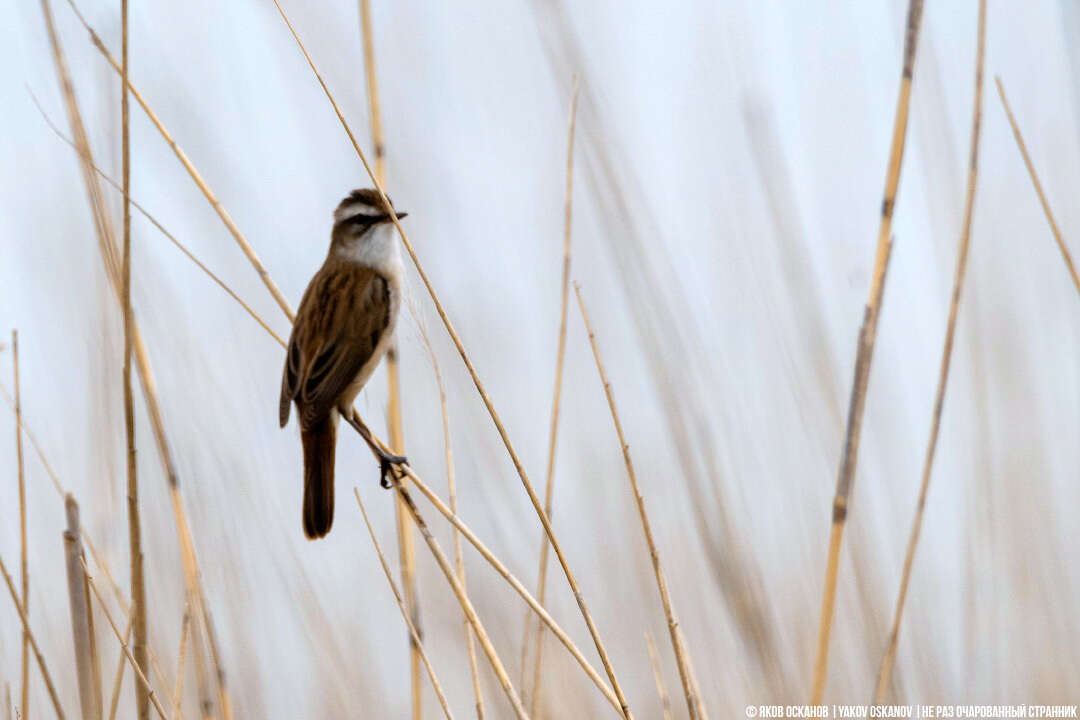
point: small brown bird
(343, 328)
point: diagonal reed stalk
(553, 432)
(1038, 185)
(99, 560)
(124, 646)
(864, 354)
(658, 676)
(107, 246)
(593, 631)
(161, 228)
(416, 640)
(264, 275)
(138, 587)
(451, 485)
(693, 702)
(406, 541)
(24, 571)
(517, 586)
(889, 657)
(463, 600)
(118, 683)
(33, 643)
(87, 667)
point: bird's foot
(390, 464)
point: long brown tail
(319, 443)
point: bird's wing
(344, 313)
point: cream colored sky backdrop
(731, 159)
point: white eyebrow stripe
(355, 208)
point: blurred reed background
(729, 161)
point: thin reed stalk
(138, 587)
(518, 587)
(124, 646)
(107, 245)
(553, 430)
(8, 710)
(1038, 185)
(693, 702)
(33, 643)
(658, 675)
(99, 560)
(889, 657)
(178, 691)
(416, 640)
(87, 667)
(864, 354)
(459, 557)
(161, 228)
(463, 600)
(396, 431)
(118, 683)
(571, 580)
(211, 198)
(24, 570)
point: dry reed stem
(119, 681)
(406, 541)
(658, 676)
(249, 252)
(889, 657)
(864, 354)
(24, 571)
(417, 642)
(87, 668)
(518, 587)
(192, 578)
(553, 431)
(124, 646)
(97, 557)
(161, 228)
(463, 600)
(1038, 185)
(693, 702)
(475, 377)
(138, 587)
(451, 485)
(33, 643)
(178, 692)
(10, 711)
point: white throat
(376, 248)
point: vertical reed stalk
(33, 643)
(406, 541)
(111, 260)
(693, 702)
(139, 673)
(553, 431)
(138, 588)
(503, 434)
(178, 692)
(24, 570)
(658, 675)
(451, 485)
(87, 669)
(864, 354)
(417, 642)
(889, 658)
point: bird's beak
(401, 215)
